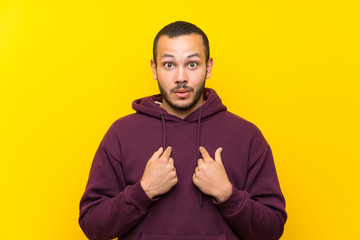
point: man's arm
(257, 212)
(109, 208)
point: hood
(148, 106)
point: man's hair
(179, 28)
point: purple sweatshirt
(115, 205)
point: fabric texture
(115, 205)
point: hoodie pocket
(213, 236)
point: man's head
(181, 65)
(180, 28)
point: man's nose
(181, 76)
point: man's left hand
(210, 176)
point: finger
(197, 170)
(194, 178)
(218, 155)
(200, 161)
(156, 154)
(167, 152)
(204, 153)
(171, 161)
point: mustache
(182, 86)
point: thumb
(218, 155)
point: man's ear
(209, 66)
(153, 68)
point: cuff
(138, 197)
(234, 203)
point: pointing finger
(167, 152)
(218, 154)
(156, 154)
(204, 153)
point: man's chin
(182, 106)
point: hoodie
(115, 205)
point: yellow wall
(69, 68)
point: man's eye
(192, 64)
(168, 65)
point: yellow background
(68, 69)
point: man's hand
(159, 175)
(210, 176)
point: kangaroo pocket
(212, 236)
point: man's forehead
(191, 44)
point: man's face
(181, 71)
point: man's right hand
(159, 175)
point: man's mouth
(182, 92)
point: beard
(198, 93)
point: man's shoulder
(235, 125)
(133, 119)
(236, 121)
(125, 126)
(127, 118)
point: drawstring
(197, 141)
(164, 130)
(198, 146)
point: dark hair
(179, 28)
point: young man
(182, 167)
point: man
(182, 167)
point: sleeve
(257, 212)
(109, 208)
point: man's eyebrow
(167, 55)
(172, 56)
(193, 55)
